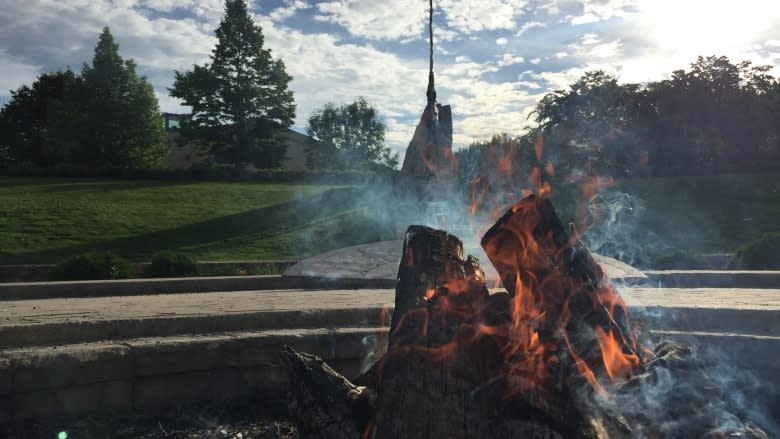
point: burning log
(560, 295)
(431, 363)
(553, 357)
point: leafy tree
(590, 122)
(240, 100)
(111, 118)
(348, 135)
(717, 117)
(122, 112)
(24, 120)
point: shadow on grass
(99, 186)
(303, 216)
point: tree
(25, 119)
(123, 114)
(110, 117)
(240, 100)
(348, 135)
(590, 122)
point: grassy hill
(43, 220)
(709, 213)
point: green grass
(710, 213)
(44, 220)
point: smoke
(691, 390)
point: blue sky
(494, 58)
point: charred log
(548, 273)
(324, 404)
(553, 357)
(429, 373)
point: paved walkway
(47, 311)
(379, 260)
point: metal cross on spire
(431, 93)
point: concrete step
(710, 279)
(155, 373)
(137, 287)
(43, 272)
(158, 373)
(58, 321)
(63, 321)
(149, 352)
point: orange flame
(619, 365)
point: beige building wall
(184, 156)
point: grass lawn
(44, 220)
(709, 214)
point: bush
(172, 264)
(203, 172)
(93, 266)
(679, 260)
(761, 254)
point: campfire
(554, 355)
(551, 355)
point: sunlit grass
(43, 220)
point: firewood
(552, 357)
(324, 404)
(554, 280)
(427, 377)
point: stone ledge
(168, 372)
(710, 279)
(165, 371)
(139, 287)
(51, 334)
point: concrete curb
(42, 272)
(136, 287)
(711, 279)
(120, 329)
(160, 373)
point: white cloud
(589, 39)
(376, 20)
(469, 16)
(509, 59)
(585, 19)
(15, 73)
(290, 9)
(598, 10)
(528, 26)
(590, 47)
(644, 40)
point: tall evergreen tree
(113, 118)
(240, 100)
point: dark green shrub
(679, 260)
(761, 254)
(172, 264)
(93, 266)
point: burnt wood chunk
(559, 280)
(541, 360)
(324, 404)
(427, 379)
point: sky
(494, 59)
